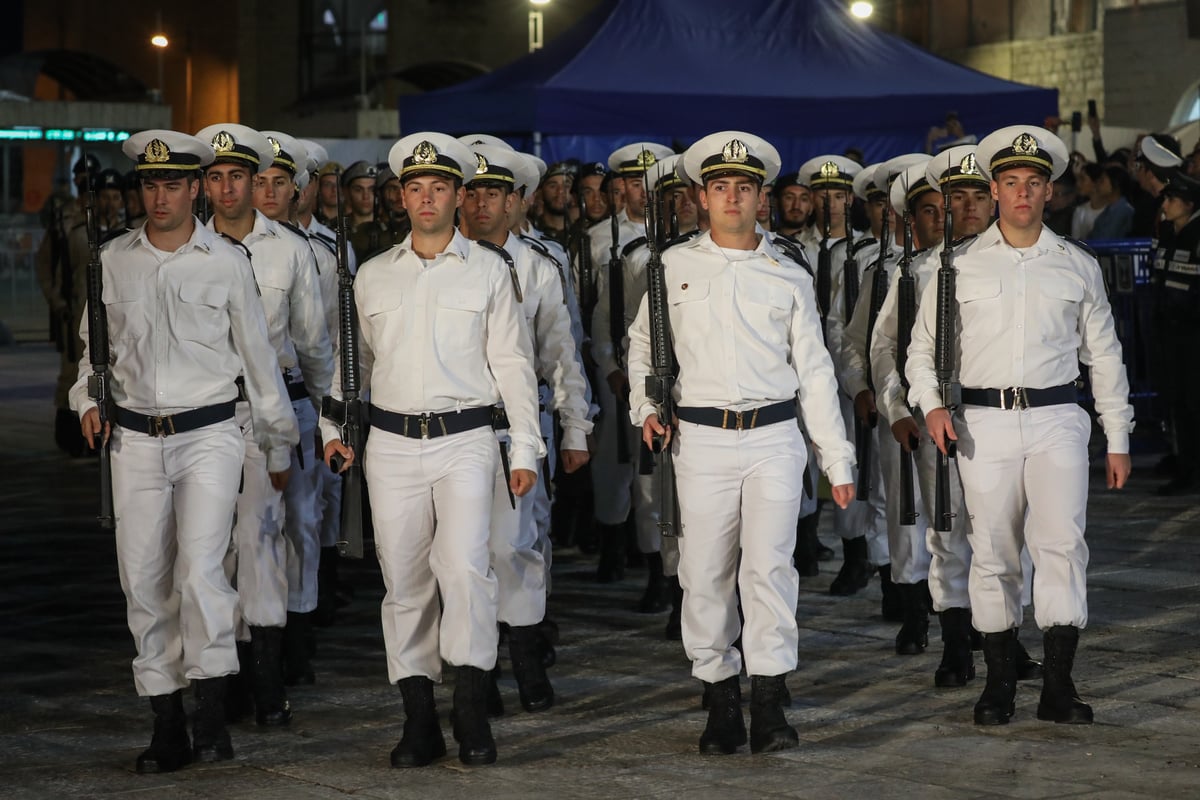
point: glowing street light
(861, 9)
(158, 40)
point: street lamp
(535, 25)
(861, 9)
(160, 42)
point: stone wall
(1150, 62)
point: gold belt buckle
(1014, 399)
(162, 426)
(424, 426)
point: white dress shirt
(444, 337)
(181, 327)
(851, 361)
(746, 334)
(1026, 318)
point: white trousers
(541, 499)
(174, 500)
(256, 563)
(301, 526)
(518, 560)
(864, 518)
(431, 503)
(1025, 475)
(619, 487)
(739, 491)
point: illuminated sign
(34, 134)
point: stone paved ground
(628, 715)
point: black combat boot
(524, 650)
(271, 706)
(1060, 702)
(998, 701)
(958, 665)
(654, 598)
(913, 636)
(892, 605)
(611, 566)
(297, 650)
(548, 633)
(239, 688)
(422, 741)
(674, 629)
(805, 556)
(769, 730)
(210, 740)
(169, 748)
(471, 729)
(495, 702)
(1027, 668)
(725, 731)
(855, 571)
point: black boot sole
(405, 759)
(1072, 716)
(992, 716)
(166, 762)
(212, 753)
(776, 741)
(945, 678)
(274, 719)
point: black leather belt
(432, 425)
(297, 390)
(738, 420)
(182, 422)
(1018, 398)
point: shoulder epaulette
(508, 259)
(964, 240)
(237, 244)
(540, 248)
(686, 237)
(788, 247)
(1081, 245)
(293, 229)
(861, 243)
(633, 245)
(329, 243)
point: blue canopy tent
(801, 73)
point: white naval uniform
(440, 337)
(865, 516)
(746, 335)
(286, 273)
(517, 546)
(617, 487)
(182, 326)
(1027, 318)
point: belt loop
(442, 421)
(754, 419)
(406, 418)
(724, 418)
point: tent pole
(537, 143)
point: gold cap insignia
(223, 142)
(372, 171)
(157, 152)
(425, 153)
(482, 167)
(830, 170)
(1025, 145)
(275, 148)
(968, 166)
(734, 152)
(646, 159)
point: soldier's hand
(90, 425)
(843, 495)
(864, 408)
(336, 447)
(907, 433)
(941, 429)
(522, 481)
(1117, 468)
(574, 459)
(618, 381)
(651, 428)
(279, 480)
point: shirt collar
(459, 245)
(201, 239)
(1047, 240)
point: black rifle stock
(587, 274)
(348, 413)
(616, 331)
(824, 262)
(98, 351)
(906, 313)
(944, 366)
(661, 380)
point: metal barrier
(1127, 267)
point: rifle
(60, 259)
(672, 219)
(661, 380)
(824, 262)
(616, 330)
(906, 297)
(862, 432)
(587, 277)
(349, 412)
(944, 368)
(98, 389)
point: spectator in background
(1061, 208)
(941, 138)
(1115, 221)
(1155, 157)
(1193, 163)
(1084, 216)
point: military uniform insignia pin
(829, 170)
(646, 159)
(223, 142)
(157, 152)
(968, 166)
(1025, 145)
(482, 165)
(425, 153)
(274, 144)
(734, 152)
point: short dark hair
(167, 175)
(1118, 177)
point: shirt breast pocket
(126, 307)
(1060, 299)
(273, 285)
(979, 307)
(768, 311)
(202, 314)
(459, 318)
